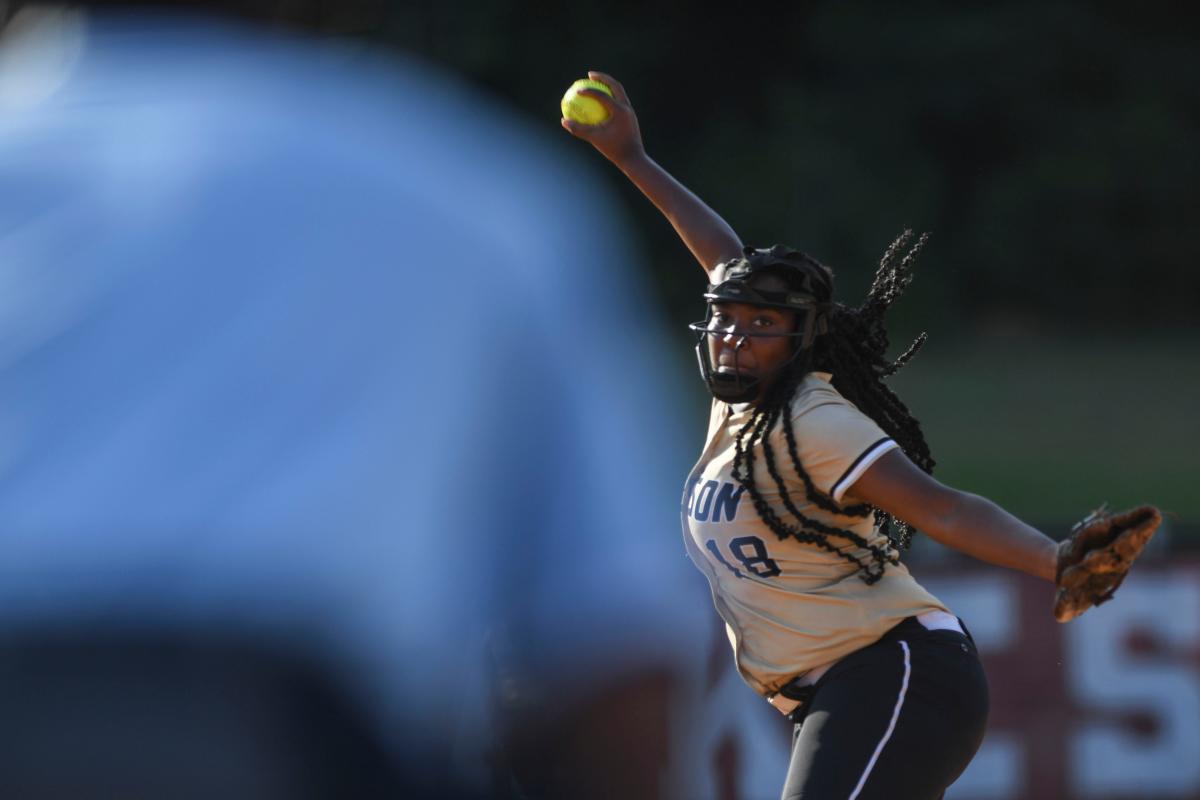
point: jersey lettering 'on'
(718, 498)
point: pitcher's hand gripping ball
(580, 107)
(1096, 557)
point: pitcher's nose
(736, 338)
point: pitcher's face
(740, 343)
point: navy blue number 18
(756, 560)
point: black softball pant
(897, 720)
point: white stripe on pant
(891, 725)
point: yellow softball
(580, 107)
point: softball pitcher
(812, 477)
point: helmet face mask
(801, 286)
(736, 386)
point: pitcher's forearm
(709, 237)
(980, 528)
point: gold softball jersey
(791, 607)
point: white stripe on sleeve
(869, 457)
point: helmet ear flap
(811, 324)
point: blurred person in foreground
(317, 431)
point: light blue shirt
(303, 341)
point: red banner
(1106, 706)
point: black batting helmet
(808, 292)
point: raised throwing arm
(709, 237)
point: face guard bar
(736, 387)
(806, 287)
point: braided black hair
(853, 349)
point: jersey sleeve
(837, 443)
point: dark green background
(1050, 149)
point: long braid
(743, 471)
(816, 495)
(783, 410)
(854, 351)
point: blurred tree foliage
(1049, 147)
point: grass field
(1051, 429)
